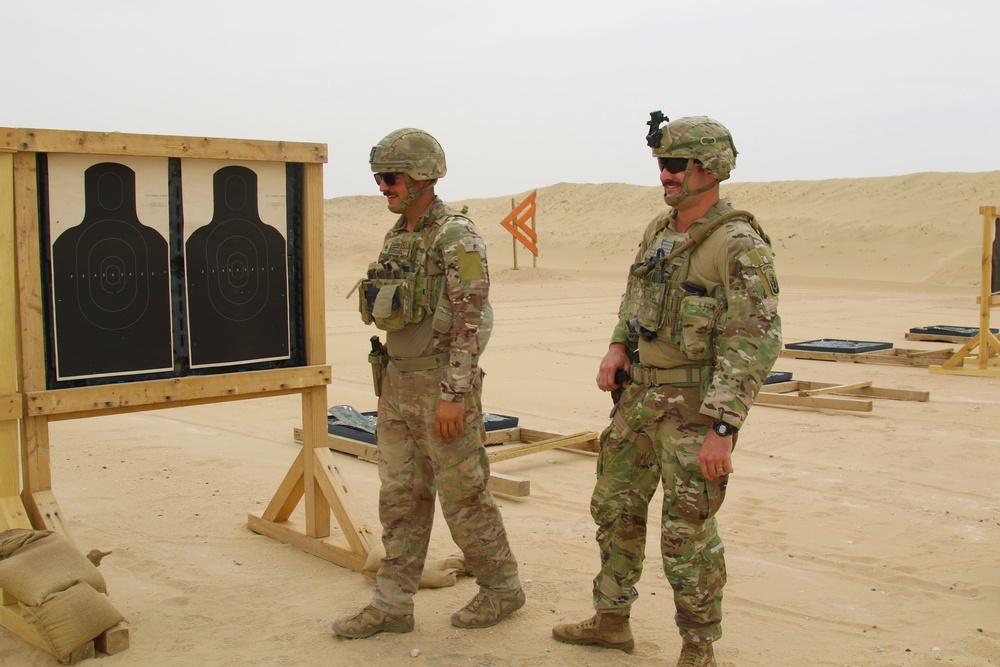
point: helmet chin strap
(674, 200)
(400, 208)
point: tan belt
(679, 376)
(632, 436)
(410, 364)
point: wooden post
(995, 283)
(514, 240)
(12, 511)
(534, 257)
(988, 359)
(10, 478)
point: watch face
(722, 428)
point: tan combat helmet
(694, 138)
(414, 154)
(411, 152)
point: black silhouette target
(111, 285)
(237, 279)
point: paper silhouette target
(111, 296)
(236, 265)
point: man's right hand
(615, 359)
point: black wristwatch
(723, 429)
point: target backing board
(236, 264)
(108, 247)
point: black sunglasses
(674, 165)
(388, 177)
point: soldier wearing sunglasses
(697, 333)
(428, 291)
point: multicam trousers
(414, 466)
(629, 469)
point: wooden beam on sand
(502, 445)
(829, 396)
(893, 357)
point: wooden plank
(10, 441)
(531, 442)
(36, 470)
(818, 402)
(508, 485)
(894, 357)
(991, 370)
(12, 619)
(81, 653)
(119, 143)
(155, 394)
(11, 406)
(338, 495)
(293, 533)
(498, 483)
(567, 441)
(48, 509)
(939, 338)
(887, 393)
(13, 514)
(289, 492)
(993, 300)
(314, 281)
(836, 389)
(363, 450)
(30, 307)
(503, 435)
(314, 429)
(113, 640)
(862, 391)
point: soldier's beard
(400, 207)
(674, 200)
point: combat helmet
(696, 138)
(411, 152)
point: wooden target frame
(28, 404)
(987, 362)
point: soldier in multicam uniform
(697, 334)
(428, 291)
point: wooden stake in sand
(987, 362)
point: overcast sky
(524, 94)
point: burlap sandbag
(69, 619)
(436, 574)
(35, 564)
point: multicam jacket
(443, 264)
(714, 305)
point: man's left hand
(716, 455)
(448, 419)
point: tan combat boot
(484, 610)
(696, 655)
(370, 621)
(605, 630)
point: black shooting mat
(945, 330)
(839, 345)
(346, 421)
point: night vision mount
(656, 118)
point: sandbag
(436, 574)
(59, 591)
(36, 564)
(69, 619)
